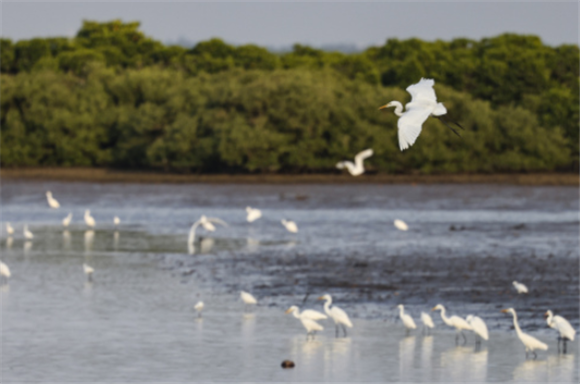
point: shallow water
(136, 321)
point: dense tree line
(113, 97)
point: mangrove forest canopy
(113, 97)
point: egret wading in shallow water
(253, 214)
(9, 229)
(4, 271)
(88, 270)
(427, 322)
(338, 315)
(199, 308)
(89, 220)
(530, 342)
(401, 225)
(27, 234)
(457, 322)
(290, 226)
(207, 224)
(357, 167)
(248, 299)
(307, 321)
(423, 104)
(66, 221)
(116, 221)
(479, 328)
(52, 202)
(407, 320)
(561, 325)
(521, 288)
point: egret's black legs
(335, 330)
(464, 338)
(343, 329)
(449, 126)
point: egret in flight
(27, 234)
(427, 321)
(4, 271)
(479, 328)
(207, 224)
(338, 315)
(290, 225)
(9, 229)
(253, 214)
(89, 220)
(423, 104)
(307, 321)
(530, 342)
(66, 221)
(454, 321)
(401, 225)
(521, 288)
(406, 319)
(52, 202)
(561, 325)
(88, 270)
(357, 167)
(248, 299)
(199, 307)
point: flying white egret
(89, 220)
(9, 229)
(206, 223)
(454, 321)
(253, 214)
(307, 313)
(530, 342)
(116, 221)
(199, 307)
(309, 323)
(407, 319)
(27, 234)
(357, 167)
(521, 288)
(248, 299)
(66, 221)
(401, 225)
(52, 202)
(4, 270)
(290, 225)
(427, 321)
(561, 325)
(338, 315)
(88, 270)
(423, 104)
(479, 328)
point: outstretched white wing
(410, 125)
(423, 91)
(363, 155)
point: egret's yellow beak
(320, 298)
(384, 106)
(288, 310)
(546, 314)
(504, 311)
(434, 308)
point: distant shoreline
(123, 176)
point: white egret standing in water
(423, 104)
(89, 220)
(307, 313)
(454, 321)
(561, 325)
(52, 202)
(407, 320)
(253, 214)
(338, 315)
(199, 307)
(521, 288)
(356, 168)
(307, 321)
(206, 223)
(4, 270)
(66, 221)
(290, 225)
(88, 270)
(427, 321)
(479, 327)
(248, 299)
(27, 234)
(530, 342)
(401, 225)
(116, 221)
(9, 229)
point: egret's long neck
(516, 325)
(444, 317)
(550, 318)
(351, 166)
(191, 237)
(401, 312)
(296, 313)
(327, 306)
(398, 108)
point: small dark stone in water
(519, 226)
(287, 364)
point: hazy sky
(281, 24)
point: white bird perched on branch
(561, 325)
(308, 319)
(530, 342)
(479, 328)
(89, 220)
(52, 202)
(27, 234)
(9, 229)
(207, 224)
(248, 299)
(290, 225)
(406, 318)
(338, 315)
(253, 214)
(66, 221)
(427, 321)
(356, 168)
(454, 321)
(423, 104)
(4, 270)
(521, 288)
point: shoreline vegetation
(103, 175)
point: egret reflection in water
(406, 358)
